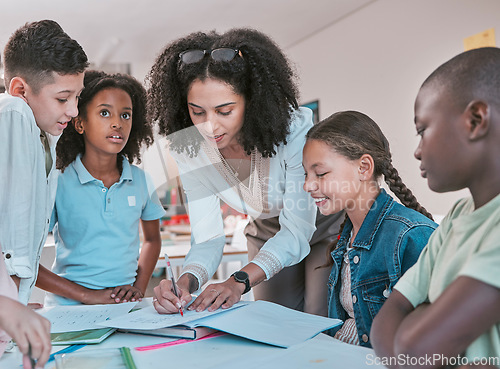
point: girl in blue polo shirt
(102, 198)
(344, 157)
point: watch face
(240, 276)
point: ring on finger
(214, 290)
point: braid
(333, 246)
(402, 192)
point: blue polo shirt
(96, 229)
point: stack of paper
(259, 321)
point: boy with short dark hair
(43, 70)
(446, 308)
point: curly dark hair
(37, 49)
(72, 143)
(353, 134)
(260, 73)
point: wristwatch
(242, 277)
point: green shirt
(467, 243)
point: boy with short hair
(43, 78)
(448, 304)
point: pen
(32, 361)
(171, 276)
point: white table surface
(229, 351)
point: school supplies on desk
(260, 321)
(148, 318)
(175, 332)
(177, 342)
(270, 323)
(115, 358)
(88, 336)
(72, 318)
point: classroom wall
(375, 60)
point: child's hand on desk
(96, 297)
(126, 293)
(30, 330)
(165, 301)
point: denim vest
(388, 243)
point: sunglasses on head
(223, 54)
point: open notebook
(260, 321)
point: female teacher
(228, 106)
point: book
(174, 332)
(88, 336)
(116, 358)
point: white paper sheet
(71, 318)
(270, 323)
(148, 318)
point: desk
(229, 351)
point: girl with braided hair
(344, 157)
(228, 106)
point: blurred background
(366, 55)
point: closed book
(88, 336)
(177, 331)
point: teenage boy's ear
(366, 167)
(18, 87)
(478, 119)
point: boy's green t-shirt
(467, 243)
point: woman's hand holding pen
(165, 300)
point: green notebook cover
(88, 336)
